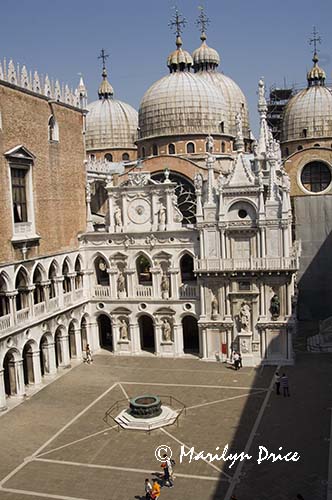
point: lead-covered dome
(309, 113)
(110, 123)
(206, 61)
(179, 104)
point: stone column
(228, 315)
(285, 234)
(78, 343)
(178, 339)
(174, 279)
(64, 346)
(169, 210)
(58, 282)
(130, 285)
(3, 405)
(262, 305)
(135, 338)
(30, 290)
(263, 241)
(12, 306)
(124, 212)
(89, 222)
(35, 358)
(202, 288)
(154, 215)
(263, 343)
(16, 376)
(112, 273)
(203, 346)
(155, 271)
(157, 337)
(111, 228)
(92, 335)
(48, 351)
(223, 243)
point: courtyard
(56, 445)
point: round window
(242, 213)
(316, 176)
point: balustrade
(102, 291)
(188, 291)
(4, 322)
(22, 315)
(39, 308)
(253, 263)
(144, 291)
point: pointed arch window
(187, 268)
(79, 274)
(21, 285)
(101, 272)
(53, 129)
(66, 284)
(143, 271)
(125, 157)
(38, 293)
(4, 300)
(223, 147)
(51, 276)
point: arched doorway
(29, 377)
(105, 332)
(190, 335)
(72, 340)
(146, 330)
(10, 375)
(84, 334)
(57, 346)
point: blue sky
(254, 38)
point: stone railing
(39, 309)
(53, 304)
(103, 292)
(22, 315)
(252, 264)
(4, 322)
(188, 291)
(144, 291)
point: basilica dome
(180, 103)
(206, 61)
(309, 113)
(110, 123)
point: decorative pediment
(241, 174)
(162, 256)
(164, 311)
(20, 153)
(119, 257)
(121, 310)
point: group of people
(237, 360)
(281, 382)
(152, 491)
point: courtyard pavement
(56, 445)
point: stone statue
(177, 215)
(118, 217)
(275, 306)
(164, 285)
(166, 174)
(210, 144)
(121, 283)
(238, 121)
(123, 330)
(162, 215)
(167, 331)
(261, 91)
(198, 181)
(286, 181)
(244, 317)
(214, 307)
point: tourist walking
(284, 385)
(155, 490)
(148, 489)
(236, 359)
(88, 354)
(240, 360)
(168, 471)
(277, 382)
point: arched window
(143, 152)
(223, 147)
(38, 293)
(21, 284)
(101, 272)
(171, 149)
(316, 176)
(317, 145)
(286, 151)
(143, 271)
(4, 300)
(66, 284)
(51, 276)
(108, 157)
(299, 148)
(154, 149)
(125, 157)
(190, 148)
(92, 156)
(79, 274)
(305, 132)
(187, 268)
(53, 129)
(222, 127)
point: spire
(205, 58)
(316, 76)
(105, 90)
(82, 94)
(239, 143)
(179, 60)
(264, 133)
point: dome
(206, 60)
(309, 113)
(205, 56)
(110, 123)
(179, 59)
(181, 103)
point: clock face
(139, 211)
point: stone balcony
(185, 292)
(27, 315)
(251, 264)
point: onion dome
(179, 104)
(206, 61)
(316, 76)
(205, 57)
(308, 113)
(110, 123)
(179, 60)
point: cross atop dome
(316, 76)
(313, 41)
(202, 22)
(105, 90)
(177, 24)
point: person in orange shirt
(155, 490)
